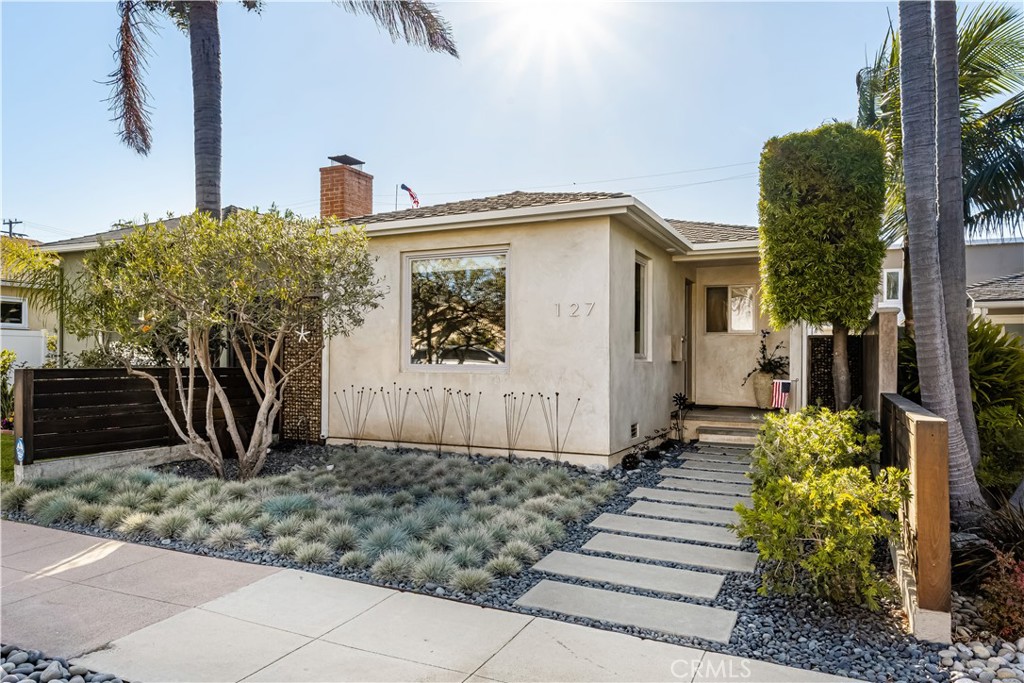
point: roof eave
(709, 250)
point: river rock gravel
(32, 665)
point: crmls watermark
(719, 669)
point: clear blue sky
(541, 97)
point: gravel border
(799, 631)
(20, 664)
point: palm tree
(918, 93)
(416, 22)
(983, 60)
(990, 62)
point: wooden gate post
(23, 418)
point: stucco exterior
(550, 346)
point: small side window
(13, 313)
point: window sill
(428, 369)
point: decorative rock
(77, 670)
(51, 672)
(1005, 673)
(980, 651)
(76, 679)
(985, 675)
(19, 657)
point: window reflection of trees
(458, 310)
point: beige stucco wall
(722, 360)
(548, 264)
(642, 389)
(984, 261)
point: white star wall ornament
(302, 334)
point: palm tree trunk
(908, 291)
(917, 79)
(204, 40)
(840, 366)
(951, 216)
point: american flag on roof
(780, 393)
(412, 195)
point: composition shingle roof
(701, 232)
(1005, 288)
(117, 233)
(500, 202)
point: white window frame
(406, 322)
(645, 308)
(23, 325)
(728, 300)
(899, 286)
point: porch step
(634, 574)
(725, 488)
(701, 475)
(711, 500)
(720, 559)
(641, 526)
(746, 436)
(666, 616)
(686, 513)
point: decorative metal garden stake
(395, 405)
(435, 409)
(551, 417)
(466, 414)
(355, 409)
(516, 410)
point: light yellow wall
(548, 264)
(724, 359)
(641, 390)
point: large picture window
(729, 309)
(457, 313)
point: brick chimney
(345, 189)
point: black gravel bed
(799, 631)
(20, 664)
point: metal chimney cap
(346, 160)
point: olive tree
(250, 281)
(822, 194)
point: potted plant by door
(767, 367)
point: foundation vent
(634, 430)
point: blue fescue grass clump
(448, 521)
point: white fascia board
(640, 216)
(1001, 303)
(717, 250)
(72, 248)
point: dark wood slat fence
(63, 413)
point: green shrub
(817, 510)
(1001, 432)
(471, 581)
(313, 552)
(996, 362)
(1003, 596)
(393, 565)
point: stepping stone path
(681, 522)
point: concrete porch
(723, 424)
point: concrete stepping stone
(714, 466)
(731, 448)
(683, 512)
(733, 477)
(635, 574)
(657, 527)
(716, 457)
(706, 486)
(713, 500)
(666, 616)
(672, 551)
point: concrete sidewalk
(159, 615)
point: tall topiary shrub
(822, 194)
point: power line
(10, 223)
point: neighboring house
(986, 260)
(23, 326)
(1001, 300)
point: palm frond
(993, 155)
(417, 23)
(991, 52)
(38, 272)
(129, 96)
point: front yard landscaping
(448, 524)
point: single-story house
(1001, 300)
(24, 327)
(587, 307)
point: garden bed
(421, 520)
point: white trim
(728, 300)
(405, 362)
(646, 296)
(325, 380)
(23, 325)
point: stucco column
(797, 364)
